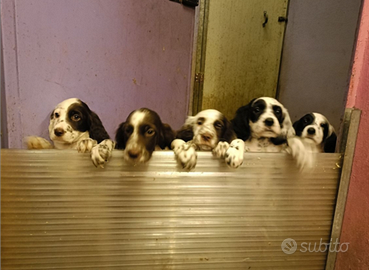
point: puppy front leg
(102, 153)
(301, 152)
(235, 153)
(34, 142)
(221, 149)
(86, 145)
(185, 153)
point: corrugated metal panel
(59, 212)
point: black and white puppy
(316, 128)
(141, 134)
(264, 125)
(74, 126)
(209, 130)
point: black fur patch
(303, 122)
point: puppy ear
(96, 128)
(240, 122)
(186, 131)
(120, 137)
(228, 133)
(166, 137)
(288, 130)
(297, 127)
(330, 142)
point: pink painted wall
(355, 228)
(116, 55)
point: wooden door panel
(242, 57)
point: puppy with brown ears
(209, 130)
(74, 126)
(141, 134)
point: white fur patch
(235, 153)
(220, 150)
(34, 142)
(185, 153)
(102, 153)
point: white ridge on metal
(60, 212)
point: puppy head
(206, 129)
(69, 122)
(263, 117)
(316, 127)
(141, 133)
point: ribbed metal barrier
(60, 212)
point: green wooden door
(239, 45)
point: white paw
(102, 152)
(235, 153)
(186, 156)
(304, 157)
(34, 142)
(220, 150)
(86, 145)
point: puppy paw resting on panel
(209, 130)
(74, 126)
(141, 134)
(315, 129)
(264, 125)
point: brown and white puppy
(264, 125)
(141, 134)
(315, 127)
(74, 126)
(209, 130)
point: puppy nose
(311, 131)
(206, 136)
(269, 122)
(134, 153)
(59, 132)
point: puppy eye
(305, 120)
(278, 111)
(322, 125)
(76, 117)
(257, 109)
(56, 115)
(150, 132)
(199, 122)
(128, 130)
(218, 125)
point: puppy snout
(134, 153)
(206, 136)
(269, 122)
(59, 132)
(311, 131)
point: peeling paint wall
(116, 55)
(356, 218)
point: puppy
(206, 131)
(141, 134)
(316, 128)
(74, 126)
(264, 125)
